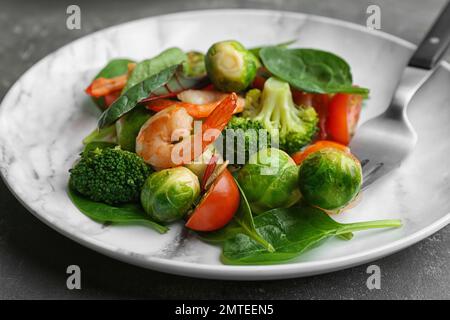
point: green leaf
(131, 213)
(128, 100)
(242, 223)
(129, 125)
(285, 44)
(114, 68)
(106, 134)
(291, 231)
(150, 67)
(310, 70)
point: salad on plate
(247, 147)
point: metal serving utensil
(384, 142)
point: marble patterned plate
(46, 114)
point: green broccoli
(295, 127)
(246, 136)
(110, 175)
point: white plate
(46, 113)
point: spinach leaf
(310, 70)
(106, 134)
(114, 68)
(256, 50)
(128, 100)
(291, 231)
(101, 212)
(129, 125)
(242, 223)
(150, 67)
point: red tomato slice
(299, 156)
(354, 112)
(218, 206)
(343, 116)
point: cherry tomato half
(343, 116)
(217, 206)
(299, 156)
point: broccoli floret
(109, 175)
(252, 103)
(293, 141)
(246, 139)
(294, 126)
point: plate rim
(232, 272)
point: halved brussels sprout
(128, 126)
(230, 66)
(330, 178)
(269, 180)
(169, 194)
(195, 64)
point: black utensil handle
(435, 43)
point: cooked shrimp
(165, 140)
(198, 103)
(201, 96)
(103, 86)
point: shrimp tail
(218, 119)
(221, 115)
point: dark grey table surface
(34, 258)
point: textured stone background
(33, 258)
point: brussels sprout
(230, 66)
(195, 64)
(128, 126)
(330, 178)
(168, 195)
(269, 180)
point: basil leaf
(310, 70)
(291, 231)
(101, 212)
(242, 222)
(114, 68)
(150, 67)
(128, 100)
